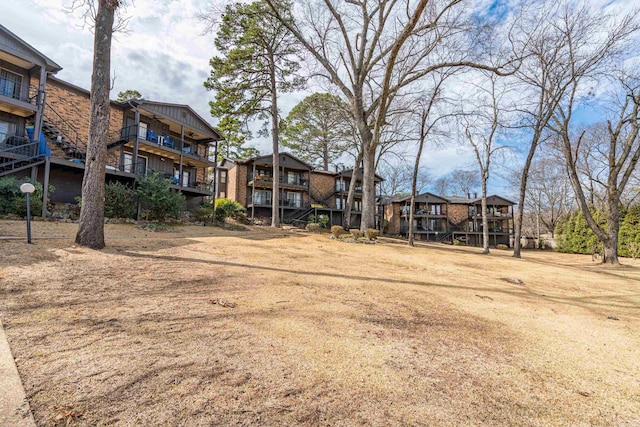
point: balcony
(266, 181)
(491, 215)
(15, 99)
(267, 202)
(163, 145)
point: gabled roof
(15, 46)
(349, 172)
(178, 113)
(267, 159)
(492, 200)
(428, 197)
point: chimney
(475, 195)
(468, 195)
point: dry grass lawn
(323, 332)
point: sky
(165, 56)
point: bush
(502, 247)
(313, 227)
(371, 233)
(203, 212)
(322, 220)
(158, 200)
(119, 201)
(337, 230)
(385, 226)
(13, 201)
(227, 208)
(457, 242)
(355, 233)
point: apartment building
(449, 218)
(304, 191)
(52, 117)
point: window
(223, 177)
(435, 210)
(340, 203)
(142, 130)
(10, 84)
(357, 205)
(293, 178)
(127, 163)
(262, 197)
(341, 185)
(294, 199)
(6, 129)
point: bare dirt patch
(315, 332)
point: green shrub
(227, 208)
(371, 233)
(202, 212)
(119, 201)
(313, 227)
(13, 201)
(337, 230)
(157, 198)
(457, 242)
(356, 233)
(385, 226)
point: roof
(349, 172)
(493, 199)
(15, 46)
(268, 159)
(179, 113)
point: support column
(181, 155)
(45, 186)
(253, 191)
(34, 173)
(136, 143)
(40, 103)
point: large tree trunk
(275, 196)
(517, 234)
(91, 227)
(368, 189)
(346, 220)
(485, 219)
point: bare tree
(398, 176)
(481, 129)
(621, 151)
(549, 195)
(91, 224)
(372, 51)
(565, 42)
(425, 125)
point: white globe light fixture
(27, 188)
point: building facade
(304, 191)
(450, 218)
(44, 132)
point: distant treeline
(573, 235)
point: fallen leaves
(223, 303)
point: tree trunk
(275, 195)
(368, 189)
(517, 234)
(411, 214)
(346, 220)
(485, 219)
(91, 225)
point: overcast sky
(165, 56)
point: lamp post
(27, 189)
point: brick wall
(392, 214)
(74, 106)
(457, 214)
(322, 185)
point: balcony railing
(284, 179)
(131, 132)
(18, 90)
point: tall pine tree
(258, 60)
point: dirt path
(322, 333)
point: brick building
(304, 191)
(44, 131)
(449, 218)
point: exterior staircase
(18, 153)
(299, 216)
